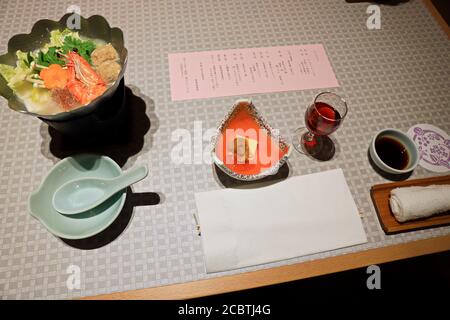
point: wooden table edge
(435, 13)
(297, 271)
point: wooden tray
(380, 197)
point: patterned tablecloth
(393, 77)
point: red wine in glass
(322, 119)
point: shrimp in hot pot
(83, 82)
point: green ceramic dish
(85, 224)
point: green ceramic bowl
(85, 224)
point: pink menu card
(209, 74)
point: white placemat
(299, 216)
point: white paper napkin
(298, 216)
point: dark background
(443, 6)
(415, 277)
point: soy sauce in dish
(392, 152)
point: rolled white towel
(410, 203)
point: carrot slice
(54, 76)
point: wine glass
(322, 118)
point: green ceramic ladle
(84, 194)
